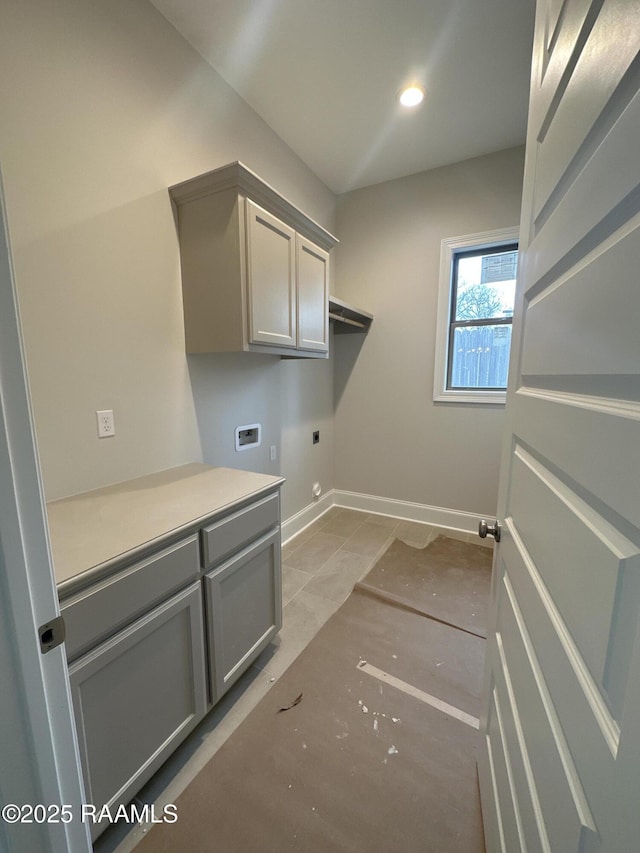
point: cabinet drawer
(99, 611)
(235, 531)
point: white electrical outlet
(106, 426)
(272, 453)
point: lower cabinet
(244, 610)
(137, 695)
(143, 673)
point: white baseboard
(405, 510)
(297, 523)
(439, 516)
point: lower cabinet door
(136, 696)
(244, 610)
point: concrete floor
(319, 569)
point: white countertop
(93, 529)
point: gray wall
(104, 106)
(391, 439)
(306, 406)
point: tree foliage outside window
(475, 303)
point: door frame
(41, 764)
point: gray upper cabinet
(271, 279)
(255, 269)
(312, 265)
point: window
(475, 312)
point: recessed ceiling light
(411, 96)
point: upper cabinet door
(271, 287)
(312, 264)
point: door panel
(244, 610)
(582, 426)
(271, 278)
(588, 91)
(554, 9)
(591, 732)
(559, 765)
(579, 545)
(558, 339)
(129, 722)
(563, 24)
(313, 295)
(501, 761)
(560, 792)
(591, 204)
(505, 742)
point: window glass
(483, 292)
(485, 285)
(480, 357)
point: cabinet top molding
(236, 176)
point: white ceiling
(324, 75)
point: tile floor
(319, 569)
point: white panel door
(270, 278)
(560, 754)
(312, 265)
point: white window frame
(448, 247)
